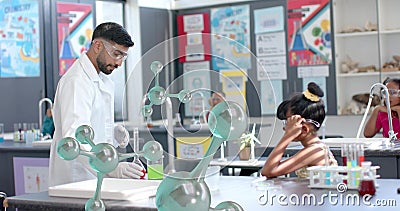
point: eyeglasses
(315, 123)
(394, 92)
(114, 52)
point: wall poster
(194, 38)
(309, 32)
(232, 50)
(75, 28)
(19, 38)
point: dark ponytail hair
(308, 104)
(394, 80)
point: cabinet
(367, 32)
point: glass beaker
(155, 169)
(367, 184)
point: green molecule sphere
(157, 95)
(185, 96)
(147, 110)
(152, 151)
(68, 148)
(156, 67)
(105, 158)
(227, 120)
(85, 134)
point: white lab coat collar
(88, 67)
(91, 72)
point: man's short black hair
(114, 32)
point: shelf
(344, 75)
(397, 31)
(356, 34)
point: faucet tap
(385, 91)
(43, 100)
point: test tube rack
(331, 176)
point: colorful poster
(194, 38)
(268, 20)
(19, 38)
(75, 28)
(309, 32)
(230, 42)
(31, 175)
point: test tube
(327, 173)
(344, 153)
(136, 140)
(349, 156)
(360, 152)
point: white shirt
(83, 97)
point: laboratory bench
(278, 196)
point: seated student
(303, 115)
(216, 97)
(48, 124)
(379, 117)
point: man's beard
(103, 66)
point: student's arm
(273, 166)
(370, 129)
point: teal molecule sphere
(93, 204)
(179, 192)
(156, 67)
(105, 158)
(229, 205)
(152, 151)
(68, 148)
(227, 120)
(147, 110)
(157, 95)
(184, 96)
(84, 134)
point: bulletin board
(268, 23)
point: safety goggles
(114, 52)
(394, 92)
(315, 123)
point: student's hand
(396, 109)
(294, 125)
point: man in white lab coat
(85, 96)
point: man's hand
(127, 170)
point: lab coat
(83, 97)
